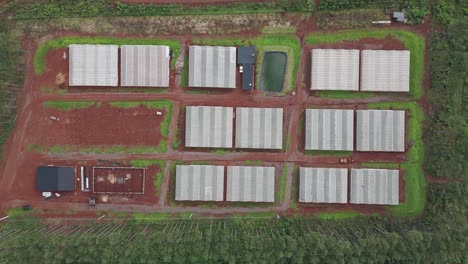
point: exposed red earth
(95, 125)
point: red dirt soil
(96, 125)
(118, 180)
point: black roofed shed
(55, 179)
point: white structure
(385, 70)
(335, 69)
(380, 130)
(329, 129)
(374, 186)
(323, 185)
(250, 184)
(144, 66)
(212, 67)
(209, 126)
(93, 65)
(199, 183)
(259, 128)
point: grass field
(412, 41)
(41, 52)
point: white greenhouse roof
(209, 126)
(385, 70)
(199, 183)
(259, 128)
(329, 129)
(144, 66)
(250, 184)
(323, 185)
(374, 186)
(380, 130)
(93, 65)
(212, 67)
(335, 69)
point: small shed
(398, 16)
(246, 58)
(55, 179)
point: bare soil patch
(96, 125)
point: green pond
(273, 71)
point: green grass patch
(269, 42)
(18, 212)
(183, 82)
(220, 151)
(415, 184)
(150, 217)
(294, 192)
(336, 215)
(200, 163)
(167, 105)
(41, 52)
(256, 215)
(337, 153)
(99, 149)
(412, 41)
(176, 141)
(287, 143)
(69, 105)
(253, 162)
(344, 94)
(380, 165)
(280, 195)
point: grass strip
(70, 105)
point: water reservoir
(273, 71)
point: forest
(437, 236)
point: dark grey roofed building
(247, 77)
(246, 58)
(54, 179)
(246, 55)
